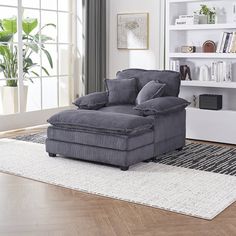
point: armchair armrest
(92, 101)
(162, 105)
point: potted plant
(206, 15)
(32, 44)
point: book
(220, 42)
(233, 43)
(226, 41)
(213, 71)
(175, 65)
(187, 20)
(223, 42)
(221, 71)
(229, 42)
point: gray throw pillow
(92, 101)
(162, 105)
(121, 91)
(152, 89)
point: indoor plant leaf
(33, 46)
(35, 73)
(10, 25)
(48, 57)
(44, 38)
(45, 70)
(5, 36)
(29, 24)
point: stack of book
(227, 43)
(187, 20)
(221, 71)
(175, 65)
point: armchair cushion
(152, 89)
(121, 91)
(162, 105)
(92, 101)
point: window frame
(72, 44)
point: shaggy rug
(163, 185)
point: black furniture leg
(52, 154)
(150, 160)
(124, 168)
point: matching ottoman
(110, 138)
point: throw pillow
(152, 89)
(92, 101)
(121, 91)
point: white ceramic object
(204, 73)
(9, 98)
(202, 19)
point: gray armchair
(137, 119)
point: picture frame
(133, 31)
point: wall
(147, 59)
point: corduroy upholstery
(118, 134)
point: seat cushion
(125, 109)
(102, 122)
(170, 78)
(117, 142)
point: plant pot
(9, 97)
(211, 19)
(203, 19)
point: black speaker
(210, 101)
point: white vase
(204, 73)
(203, 19)
(9, 98)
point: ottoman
(110, 138)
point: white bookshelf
(203, 55)
(217, 126)
(202, 1)
(208, 84)
(201, 27)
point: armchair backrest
(170, 78)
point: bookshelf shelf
(195, 109)
(202, 27)
(208, 84)
(217, 126)
(203, 55)
(200, 1)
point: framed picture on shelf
(133, 31)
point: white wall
(146, 59)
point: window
(36, 55)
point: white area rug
(191, 192)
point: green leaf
(5, 51)
(10, 25)
(33, 46)
(29, 24)
(28, 61)
(48, 57)
(2, 67)
(44, 38)
(5, 36)
(46, 25)
(33, 72)
(45, 70)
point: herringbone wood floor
(32, 208)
